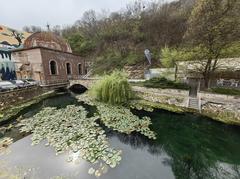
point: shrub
(113, 89)
(109, 61)
(164, 83)
(134, 58)
(227, 91)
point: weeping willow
(113, 89)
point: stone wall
(135, 71)
(28, 64)
(166, 96)
(226, 64)
(61, 60)
(224, 108)
(85, 82)
(220, 102)
(218, 98)
(15, 97)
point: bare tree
(32, 29)
(57, 30)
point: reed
(113, 89)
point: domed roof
(48, 40)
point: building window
(80, 69)
(53, 67)
(68, 66)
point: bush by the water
(227, 91)
(164, 83)
(113, 89)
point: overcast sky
(19, 13)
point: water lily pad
(91, 171)
(97, 173)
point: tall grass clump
(113, 89)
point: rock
(20, 98)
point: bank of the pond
(141, 103)
(18, 96)
(211, 113)
(223, 108)
(13, 110)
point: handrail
(200, 105)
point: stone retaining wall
(166, 96)
(15, 97)
(223, 108)
(218, 97)
(226, 108)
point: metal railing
(232, 83)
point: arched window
(68, 66)
(53, 67)
(80, 69)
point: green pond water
(187, 147)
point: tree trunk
(206, 74)
(209, 71)
(206, 80)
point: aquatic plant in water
(69, 129)
(112, 89)
(136, 105)
(120, 118)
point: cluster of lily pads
(136, 105)
(70, 129)
(120, 118)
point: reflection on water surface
(187, 146)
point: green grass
(113, 89)
(227, 91)
(162, 83)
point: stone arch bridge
(87, 82)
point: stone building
(48, 59)
(227, 73)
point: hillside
(119, 39)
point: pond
(187, 147)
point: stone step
(193, 103)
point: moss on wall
(168, 107)
(11, 112)
(227, 117)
